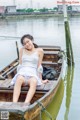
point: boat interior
(52, 58)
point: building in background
(76, 8)
(10, 9)
(70, 8)
(60, 8)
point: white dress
(28, 68)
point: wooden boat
(44, 93)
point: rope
(44, 110)
(65, 56)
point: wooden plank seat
(57, 48)
(51, 56)
(50, 63)
(5, 86)
(51, 52)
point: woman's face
(28, 44)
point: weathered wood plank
(54, 48)
(50, 85)
(44, 87)
(13, 106)
(5, 83)
(51, 52)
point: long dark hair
(29, 37)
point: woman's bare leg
(32, 83)
(17, 88)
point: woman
(30, 59)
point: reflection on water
(54, 106)
(69, 82)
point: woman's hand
(45, 81)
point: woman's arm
(40, 68)
(20, 59)
(40, 71)
(41, 53)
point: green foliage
(55, 9)
(69, 8)
(25, 10)
(21, 10)
(29, 10)
(43, 10)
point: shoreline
(27, 15)
(24, 15)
